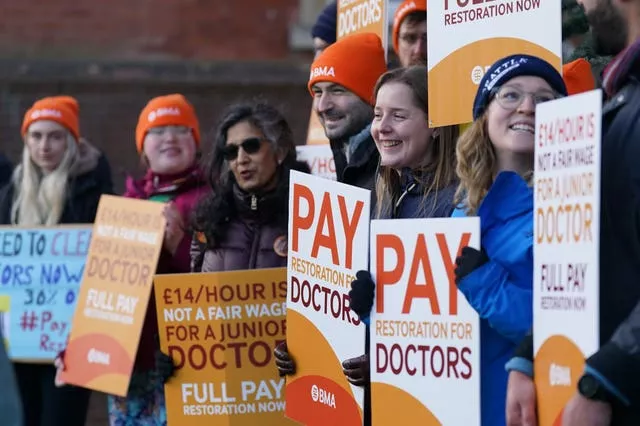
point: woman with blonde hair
(57, 182)
(495, 168)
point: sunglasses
(250, 146)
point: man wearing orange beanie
(341, 82)
(409, 32)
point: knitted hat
(578, 77)
(61, 109)
(355, 62)
(325, 26)
(510, 67)
(407, 7)
(164, 111)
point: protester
(243, 223)
(495, 167)
(56, 183)
(341, 83)
(409, 32)
(10, 404)
(608, 392)
(416, 178)
(167, 138)
(324, 30)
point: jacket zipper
(254, 202)
(404, 194)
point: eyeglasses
(249, 145)
(511, 97)
(173, 130)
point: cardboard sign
(320, 160)
(221, 329)
(466, 37)
(328, 236)
(40, 274)
(363, 16)
(425, 337)
(566, 287)
(116, 285)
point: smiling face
(341, 112)
(170, 149)
(47, 143)
(254, 171)
(400, 128)
(511, 114)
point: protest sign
(40, 274)
(328, 236)
(116, 285)
(221, 329)
(466, 37)
(566, 288)
(363, 16)
(425, 337)
(319, 158)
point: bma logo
(322, 396)
(162, 112)
(322, 72)
(39, 113)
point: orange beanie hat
(355, 62)
(578, 77)
(64, 110)
(405, 8)
(167, 110)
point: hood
(86, 159)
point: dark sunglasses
(250, 146)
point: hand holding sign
(174, 231)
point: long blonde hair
(477, 165)
(38, 198)
(438, 173)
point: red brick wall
(188, 29)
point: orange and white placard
(220, 329)
(116, 285)
(566, 289)
(425, 337)
(319, 158)
(467, 36)
(328, 240)
(363, 16)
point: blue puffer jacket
(501, 291)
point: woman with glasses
(243, 223)
(167, 139)
(495, 167)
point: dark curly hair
(219, 207)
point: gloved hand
(361, 295)
(469, 260)
(165, 368)
(357, 370)
(284, 362)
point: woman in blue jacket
(495, 167)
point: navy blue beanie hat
(325, 26)
(510, 67)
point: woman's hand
(59, 364)
(174, 230)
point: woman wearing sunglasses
(243, 223)
(495, 167)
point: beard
(608, 27)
